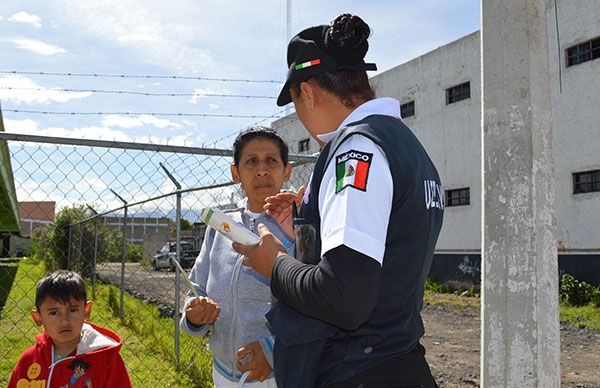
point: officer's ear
(235, 175)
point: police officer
(349, 302)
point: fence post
(80, 255)
(178, 258)
(95, 258)
(69, 247)
(123, 254)
(97, 217)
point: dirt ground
(452, 340)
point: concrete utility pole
(520, 343)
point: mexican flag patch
(352, 169)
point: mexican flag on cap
(352, 169)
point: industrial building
(440, 96)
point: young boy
(70, 352)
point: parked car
(162, 259)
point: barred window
(586, 182)
(458, 93)
(408, 109)
(303, 145)
(583, 52)
(458, 197)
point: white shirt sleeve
(352, 216)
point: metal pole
(178, 258)
(95, 258)
(123, 254)
(69, 247)
(288, 36)
(80, 255)
(177, 290)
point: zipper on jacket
(234, 296)
(53, 365)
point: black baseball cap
(312, 52)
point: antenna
(288, 36)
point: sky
(195, 40)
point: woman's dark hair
(61, 286)
(345, 40)
(258, 132)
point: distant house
(35, 214)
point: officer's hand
(202, 311)
(251, 358)
(279, 207)
(261, 256)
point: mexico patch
(352, 169)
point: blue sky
(219, 39)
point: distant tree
(185, 225)
(53, 247)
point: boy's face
(261, 171)
(62, 321)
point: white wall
(576, 117)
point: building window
(458, 92)
(458, 197)
(407, 110)
(583, 52)
(586, 182)
(303, 145)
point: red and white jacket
(96, 363)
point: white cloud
(36, 46)
(157, 38)
(24, 90)
(26, 126)
(26, 18)
(94, 183)
(141, 120)
(30, 127)
(137, 38)
(213, 106)
(200, 93)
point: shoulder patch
(352, 170)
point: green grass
(588, 316)
(433, 298)
(148, 344)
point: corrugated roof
(9, 207)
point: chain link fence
(116, 212)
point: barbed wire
(138, 113)
(275, 115)
(137, 92)
(145, 76)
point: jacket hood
(93, 339)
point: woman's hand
(202, 311)
(279, 207)
(251, 358)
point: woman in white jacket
(234, 299)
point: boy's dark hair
(258, 132)
(62, 286)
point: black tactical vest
(309, 352)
